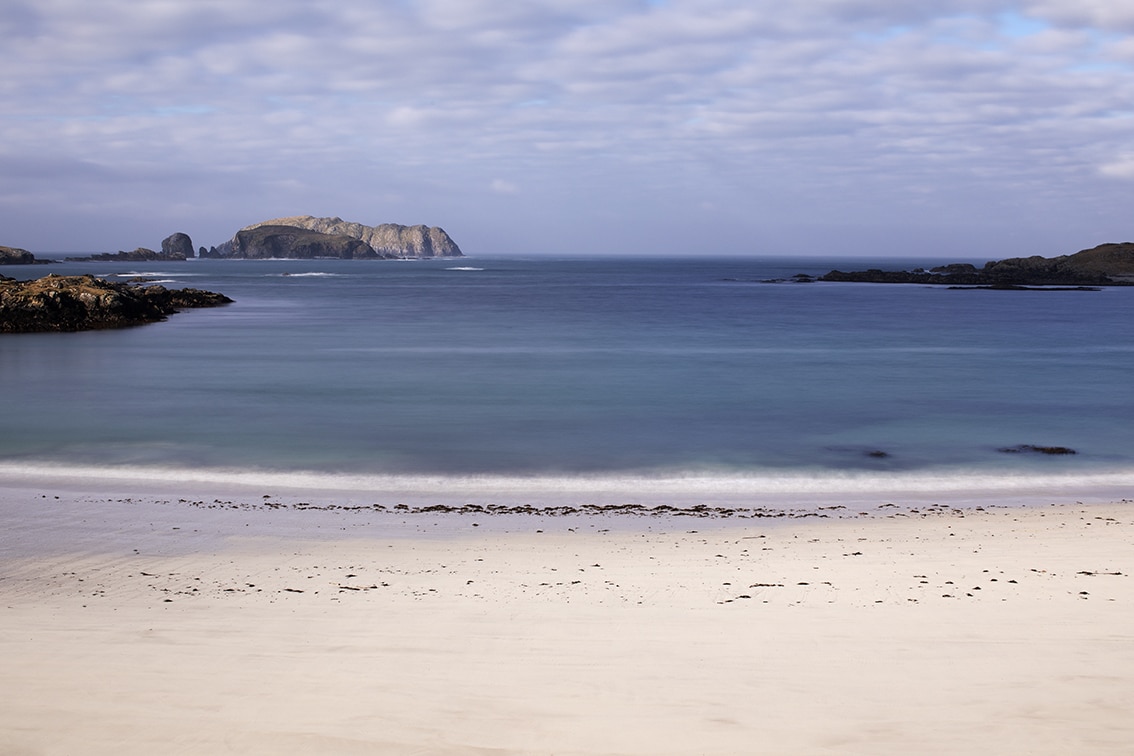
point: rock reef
(1104, 265)
(141, 254)
(177, 247)
(84, 303)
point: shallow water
(620, 370)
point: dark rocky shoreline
(85, 303)
(1104, 265)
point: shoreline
(74, 510)
(138, 621)
(769, 487)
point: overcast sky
(965, 129)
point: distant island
(84, 303)
(1104, 265)
(306, 237)
(175, 247)
(17, 256)
(302, 237)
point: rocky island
(308, 237)
(1104, 265)
(84, 303)
(17, 256)
(301, 237)
(290, 242)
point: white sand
(152, 626)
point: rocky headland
(1104, 265)
(84, 303)
(17, 256)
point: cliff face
(177, 246)
(290, 242)
(83, 303)
(387, 239)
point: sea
(568, 377)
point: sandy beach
(263, 625)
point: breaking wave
(668, 487)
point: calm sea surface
(581, 367)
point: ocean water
(579, 369)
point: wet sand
(272, 625)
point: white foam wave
(773, 486)
(464, 267)
(153, 274)
(313, 274)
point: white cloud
(1105, 15)
(824, 111)
(500, 186)
(1123, 168)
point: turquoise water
(543, 367)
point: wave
(709, 351)
(153, 274)
(313, 274)
(690, 487)
(464, 267)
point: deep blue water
(596, 366)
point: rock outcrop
(177, 246)
(141, 254)
(1032, 448)
(83, 303)
(388, 240)
(290, 242)
(17, 256)
(1104, 265)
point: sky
(954, 130)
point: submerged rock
(83, 303)
(1033, 449)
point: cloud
(500, 186)
(1123, 168)
(1103, 15)
(831, 114)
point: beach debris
(1035, 449)
(582, 510)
